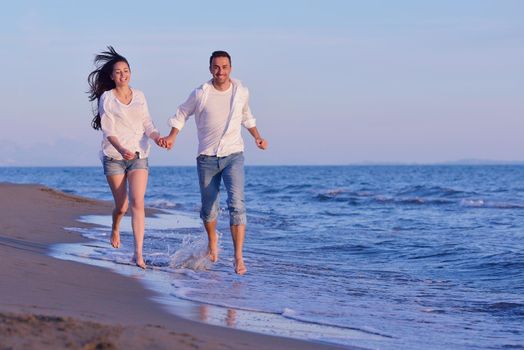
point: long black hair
(100, 79)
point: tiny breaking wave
(164, 204)
(318, 325)
(402, 198)
(333, 194)
(421, 201)
(294, 315)
(481, 203)
(424, 191)
(356, 198)
(514, 308)
(502, 308)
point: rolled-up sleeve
(107, 119)
(184, 111)
(248, 121)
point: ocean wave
(367, 196)
(506, 306)
(269, 191)
(421, 201)
(427, 191)
(164, 204)
(434, 255)
(297, 187)
(335, 214)
(347, 248)
(500, 309)
(187, 293)
(481, 203)
(333, 194)
(472, 203)
(383, 199)
(296, 316)
(429, 198)
(509, 267)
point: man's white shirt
(219, 117)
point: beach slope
(47, 303)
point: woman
(124, 119)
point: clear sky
(332, 82)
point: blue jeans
(211, 170)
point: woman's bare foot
(139, 262)
(115, 239)
(240, 268)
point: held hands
(169, 140)
(160, 142)
(165, 142)
(261, 143)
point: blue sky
(332, 82)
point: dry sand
(47, 303)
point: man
(221, 107)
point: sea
(377, 257)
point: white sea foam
(472, 202)
(480, 203)
(163, 204)
(172, 220)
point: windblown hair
(100, 79)
(219, 54)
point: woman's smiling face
(121, 74)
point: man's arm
(261, 143)
(170, 139)
(177, 122)
(249, 122)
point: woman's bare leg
(117, 183)
(137, 180)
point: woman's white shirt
(131, 124)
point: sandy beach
(47, 303)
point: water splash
(193, 253)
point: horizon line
(367, 163)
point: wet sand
(47, 303)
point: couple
(220, 107)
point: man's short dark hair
(219, 54)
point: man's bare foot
(213, 248)
(115, 239)
(213, 253)
(240, 268)
(139, 262)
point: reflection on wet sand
(230, 318)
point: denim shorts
(114, 166)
